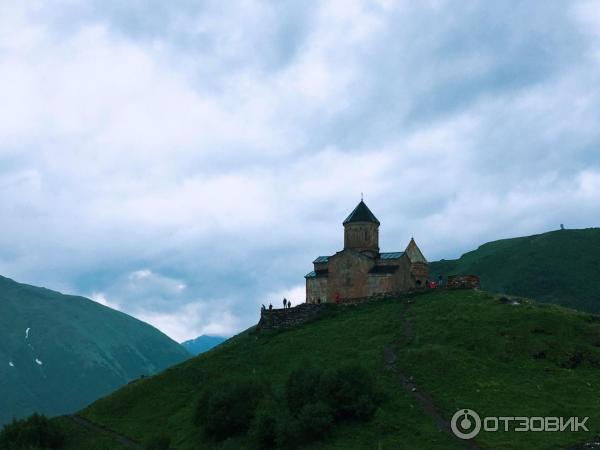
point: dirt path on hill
(422, 398)
(96, 428)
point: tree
(34, 432)
(350, 392)
(228, 408)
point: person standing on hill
(284, 303)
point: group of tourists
(432, 284)
(286, 304)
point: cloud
(198, 316)
(294, 295)
(185, 164)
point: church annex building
(360, 269)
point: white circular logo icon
(466, 424)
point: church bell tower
(361, 230)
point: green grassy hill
(60, 352)
(560, 267)
(463, 349)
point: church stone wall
(420, 272)
(402, 277)
(348, 273)
(316, 288)
(398, 281)
(380, 284)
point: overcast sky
(185, 161)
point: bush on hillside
(315, 420)
(288, 431)
(303, 387)
(227, 409)
(312, 402)
(263, 431)
(34, 432)
(350, 392)
(315, 400)
(158, 443)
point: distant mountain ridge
(60, 352)
(561, 267)
(202, 344)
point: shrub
(34, 432)
(315, 420)
(350, 392)
(228, 408)
(303, 387)
(158, 443)
(288, 434)
(263, 431)
(275, 427)
(317, 398)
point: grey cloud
(219, 145)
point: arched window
(366, 236)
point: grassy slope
(87, 350)
(472, 351)
(560, 267)
(79, 438)
(468, 350)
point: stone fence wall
(276, 319)
(463, 282)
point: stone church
(360, 269)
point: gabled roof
(391, 255)
(317, 274)
(414, 253)
(361, 213)
(321, 259)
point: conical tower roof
(361, 213)
(414, 253)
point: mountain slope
(465, 349)
(202, 344)
(560, 267)
(60, 352)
